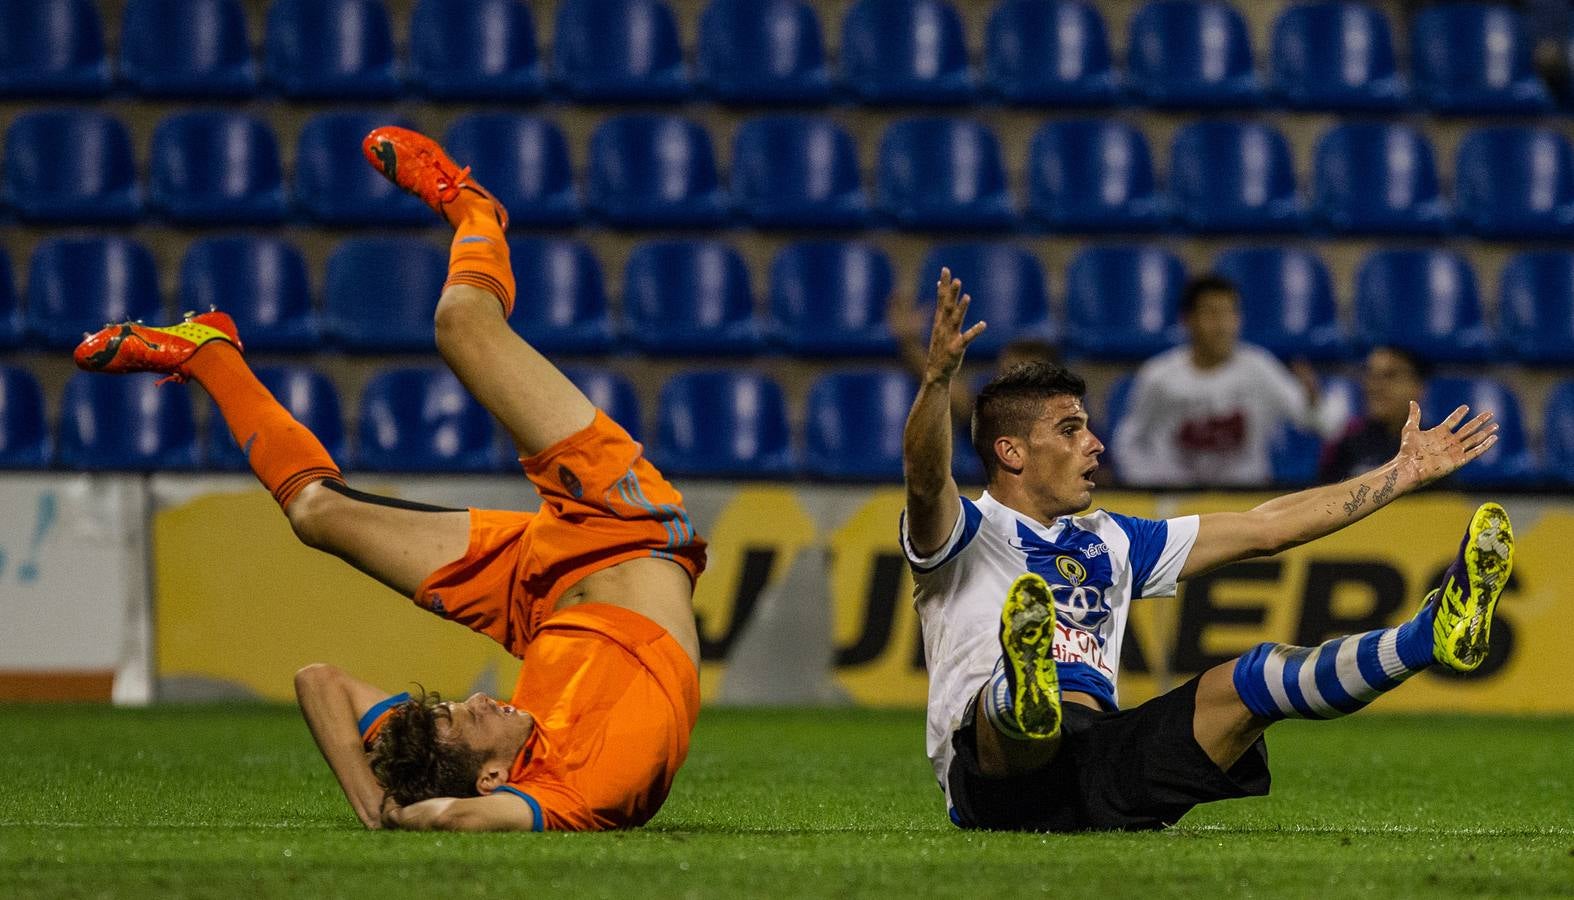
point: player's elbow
(316, 678)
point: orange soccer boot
(417, 164)
(135, 347)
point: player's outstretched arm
(492, 812)
(1294, 519)
(333, 702)
(932, 504)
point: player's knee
(463, 308)
(312, 514)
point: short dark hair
(1211, 283)
(1418, 366)
(1013, 401)
(413, 763)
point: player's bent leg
(1222, 724)
(1019, 730)
(397, 542)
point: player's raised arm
(333, 703)
(932, 504)
(1294, 519)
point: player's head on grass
(1031, 432)
(431, 747)
(1210, 308)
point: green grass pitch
(234, 802)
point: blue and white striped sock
(1280, 681)
(996, 703)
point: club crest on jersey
(1083, 604)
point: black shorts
(1133, 770)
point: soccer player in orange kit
(593, 592)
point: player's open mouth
(506, 709)
(1087, 474)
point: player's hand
(390, 814)
(948, 342)
(1439, 451)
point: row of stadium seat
(694, 298)
(1467, 57)
(720, 423)
(1084, 175)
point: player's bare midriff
(1079, 697)
(658, 589)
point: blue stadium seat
(1336, 56)
(1008, 289)
(682, 297)
(1559, 433)
(216, 168)
(611, 393)
(331, 50)
(1228, 176)
(945, 174)
(1508, 463)
(762, 51)
(1287, 301)
(77, 284)
(905, 51)
(261, 282)
(1052, 53)
(1107, 419)
(186, 48)
(797, 172)
(52, 48)
(70, 166)
(381, 293)
(1377, 178)
(24, 434)
(310, 397)
(523, 160)
(1090, 175)
(10, 309)
(619, 51)
(420, 419)
(474, 50)
(853, 427)
(334, 185)
(1515, 183)
(1536, 307)
(564, 309)
(1191, 53)
(1122, 302)
(1424, 301)
(126, 422)
(1474, 58)
(653, 171)
(1295, 454)
(723, 423)
(828, 298)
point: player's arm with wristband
(491, 812)
(333, 703)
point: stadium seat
(1377, 178)
(853, 427)
(420, 419)
(381, 293)
(310, 397)
(70, 166)
(689, 297)
(1228, 176)
(905, 51)
(943, 174)
(216, 168)
(653, 171)
(52, 48)
(1515, 183)
(261, 282)
(1193, 54)
(1006, 283)
(619, 51)
(1559, 433)
(565, 308)
(1052, 53)
(1107, 419)
(1287, 301)
(1510, 462)
(611, 393)
(1536, 307)
(331, 50)
(1122, 302)
(828, 298)
(334, 185)
(1474, 58)
(186, 48)
(1336, 56)
(77, 284)
(721, 424)
(125, 422)
(24, 434)
(474, 50)
(523, 160)
(1424, 301)
(762, 51)
(10, 309)
(1091, 175)
(797, 172)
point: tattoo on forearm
(1356, 501)
(1387, 490)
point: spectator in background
(1203, 413)
(1393, 378)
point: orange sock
(283, 453)
(478, 257)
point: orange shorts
(602, 503)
